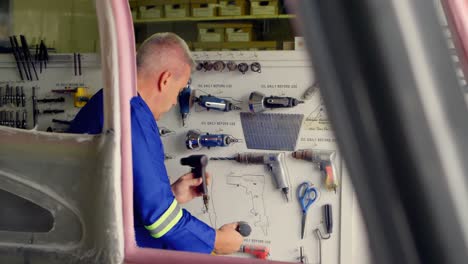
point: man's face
(175, 86)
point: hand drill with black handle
(198, 164)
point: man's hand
(186, 187)
(228, 240)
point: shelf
(219, 18)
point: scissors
(307, 194)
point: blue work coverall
(159, 221)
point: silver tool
(325, 160)
(258, 102)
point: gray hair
(160, 49)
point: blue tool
(197, 140)
(185, 102)
(307, 194)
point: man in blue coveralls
(163, 69)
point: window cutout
(20, 215)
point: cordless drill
(274, 162)
(326, 161)
(198, 164)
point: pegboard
(275, 223)
(286, 73)
(59, 74)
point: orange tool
(260, 252)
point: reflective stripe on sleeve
(167, 220)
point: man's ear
(164, 80)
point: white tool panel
(59, 74)
(247, 192)
(238, 192)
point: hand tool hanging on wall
(243, 67)
(199, 66)
(212, 102)
(259, 252)
(256, 67)
(306, 194)
(18, 121)
(2, 118)
(80, 95)
(51, 100)
(74, 63)
(52, 111)
(275, 164)
(185, 102)
(207, 65)
(325, 160)
(18, 96)
(27, 55)
(34, 106)
(12, 120)
(17, 57)
(328, 221)
(6, 98)
(24, 120)
(43, 55)
(62, 122)
(23, 58)
(23, 97)
(258, 102)
(328, 218)
(77, 63)
(11, 97)
(231, 65)
(219, 66)
(196, 140)
(198, 164)
(165, 132)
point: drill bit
(223, 158)
(285, 192)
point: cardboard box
(232, 7)
(299, 43)
(239, 32)
(176, 8)
(210, 32)
(204, 8)
(207, 46)
(263, 7)
(288, 45)
(151, 11)
(253, 45)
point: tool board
(274, 222)
(59, 74)
(247, 192)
